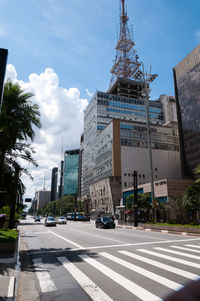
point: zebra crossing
(127, 269)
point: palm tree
(17, 119)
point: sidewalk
(8, 263)
(140, 227)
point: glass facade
(71, 168)
(187, 84)
(98, 133)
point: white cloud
(197, 34)
(89, 93)
(62, 119)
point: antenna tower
(126, 63)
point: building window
(124, 184)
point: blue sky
(77, 38)
(67, 46)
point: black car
(105, 222)
(37, 219)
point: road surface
(79, 262)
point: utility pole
(148, 78)
(135, 186)
(3, 60)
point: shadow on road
(49, 256)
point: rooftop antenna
(61, 148)
(126, 64)
(44, 182)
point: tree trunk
(197, 214)
(12, 215)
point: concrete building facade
(42, 197)
(187, 91)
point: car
(61, 220)
(104, 222)
(37, 219)
(50, 221)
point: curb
(11, 292)
(162, 231)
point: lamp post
(135, 199)
(148, 78)
(3, 60)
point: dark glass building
(71, 171)
(187, 90)
(54, 177)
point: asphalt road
(79, 262)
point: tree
(17, 119)
(193, 195)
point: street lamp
(148, 78)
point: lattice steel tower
(126, 65)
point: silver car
(50, 221)
(61, 220)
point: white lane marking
(193, 246)
(11, 287)
(175, 259)
(186, 249)
(115, 246)
(160, 265)
(86, 283)
(132, 287)
(70, 241)
(45, 281)
(178, 253)
(103, 237)
(46, 232)
(162, 280)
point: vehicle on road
(79, 216)
(50, 221)
(61, 220)
(104, 222)
(37, 219)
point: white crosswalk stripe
(178, 253)
(175, 259)
(185, 249)
(96, 290)
(132, 287)
(45, 281)
(162, 280)
(160, 265)
(86, 283)
(193, 246)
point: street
(79, 262)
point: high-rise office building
(54, 182)
(71, 171)
(115, 138)
(42, 197)
(187, 90)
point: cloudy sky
(62, 51)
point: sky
(63, 50)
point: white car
(61, 220)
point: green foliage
(7, 235)
(63, 206)
(144, 201)
(17, 118)
(193, 195)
